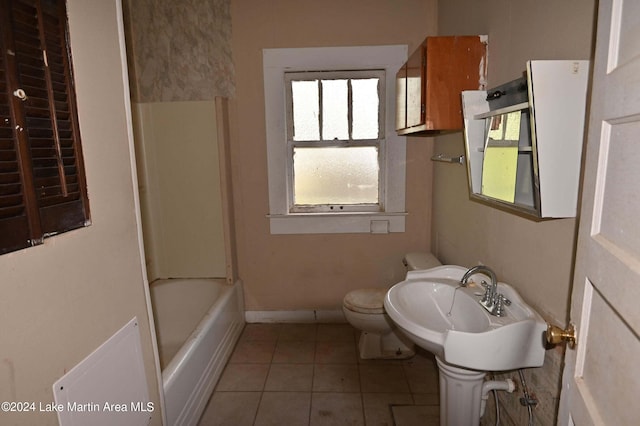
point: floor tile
(336, 378)
(426, 398)
(289, 377)
(385, 378)
(335, 332)
(336, 409)
(231, 409)
(338, 352)
(268, 332)
(416, 415)
(284, 408)
(423, 358)
(298, 332)
(308, 374)
(422, 378)
(377, 407)
(250, 351)
(243, 377)
(294, 352)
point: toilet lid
(366, 300)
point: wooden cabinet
(428, 86)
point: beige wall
(62, 299)
(179, 170)
(299, 272)
(535, 257)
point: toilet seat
(366, 300)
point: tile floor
(311, 374)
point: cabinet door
(415, 92)
(453, 64)
(401, 98)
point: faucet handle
(499, 305)
(486, 297)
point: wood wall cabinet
(429, 84)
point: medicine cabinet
(428, 85)
(523, 139)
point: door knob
(556, 335)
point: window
(335, 134)
(335, 164)
(42, 183)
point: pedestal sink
(447, 319)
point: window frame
(378, 143)
(390, 217)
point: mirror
(500, 164)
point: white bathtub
(198, 322)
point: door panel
(602, 377)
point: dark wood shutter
(43, 140)
(14, 225)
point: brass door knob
(556, 335)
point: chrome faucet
(492, 300)
(480, 268)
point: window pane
(336, 175)
(306, 126)
(335, 101)
(365, 108)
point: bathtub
(198, 322)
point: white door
(601, 381)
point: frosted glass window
(330, 175)
(306, 105)
(334, 139)
(335, 109)
(366, 106)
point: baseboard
(310, 316)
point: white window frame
(392, 173)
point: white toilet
(364, 309)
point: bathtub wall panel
(177, 156)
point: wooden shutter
(44, 122)
(14, 226)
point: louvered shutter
(45, 117)
(14, 226)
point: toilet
(364, 310)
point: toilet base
(388, 346)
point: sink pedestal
(460, 395)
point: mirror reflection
(500, 164)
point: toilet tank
(419, 260)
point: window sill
(337, 223)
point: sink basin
(439, 315)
